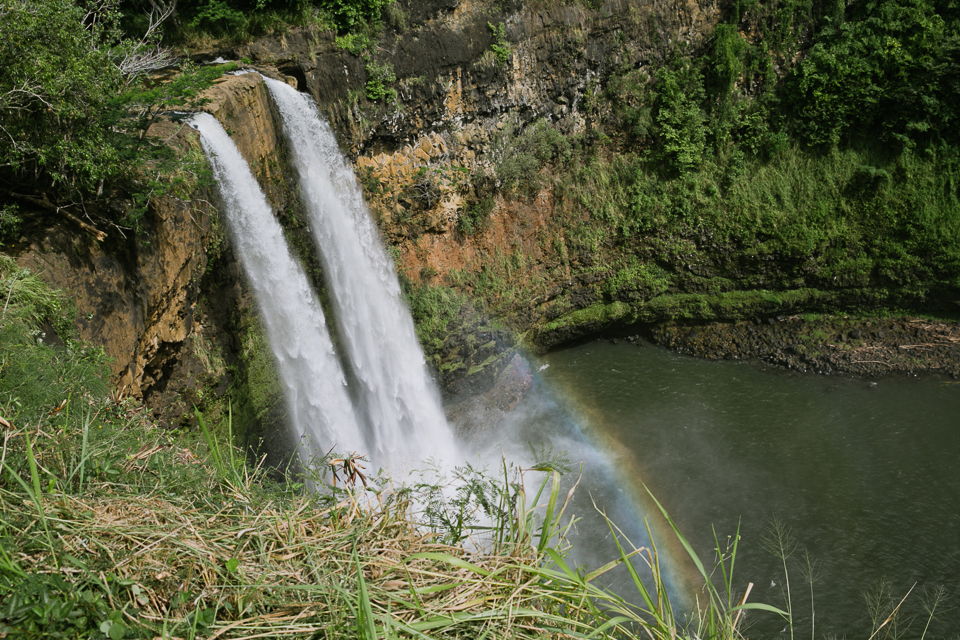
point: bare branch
(147, 54)
(44, 203)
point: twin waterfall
(390, 409)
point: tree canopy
(58, 92)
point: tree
(73, 111)
(891, 67)
(57, 86)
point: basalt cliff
(428, 115)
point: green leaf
(117, 631)
(457, 562)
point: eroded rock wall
(166, 304)
(423, 157)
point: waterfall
(396, 397)
(313, 381)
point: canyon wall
(170, 307)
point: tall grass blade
(546, 530)
(683, 541)
(32, 462)
(447, 558)
(365, 620)
(35, 496)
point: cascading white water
(396, 396)
(313, 380)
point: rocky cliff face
(468, 76)
(138, 298)
(464, 71)
(448, 74)
(424, 156)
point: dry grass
(180, 551)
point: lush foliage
(521, 156)
(244, 19)
(379, 78)
(351, 14)
(500, 47)
(434, 310)
(808, 146)
(680, 127)
(33, 369)
(75, 109)
(58, 93)
(891, 68)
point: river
(864, 474)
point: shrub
(474, 218)
(891, 69)
(521, 157)
(351, 14)
(500, 47)
(379, 76)
(36, 376)
(680, 124)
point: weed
(9, 223)
(473, 219)
(379, 76)
(356, 43)
(500, 47)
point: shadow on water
(864, 474)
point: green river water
(866, 475)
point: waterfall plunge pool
(864, 474)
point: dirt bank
(869, 347)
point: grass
(111, 527)
(156, 541)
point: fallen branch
(60, 210)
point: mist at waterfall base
(608, 501)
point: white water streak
(313, 380)
(397, 397)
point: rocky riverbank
(869, 347)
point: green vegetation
(33, 371)
(434, 310)
(815, 155)
(75, 109)
(500, 47)
(356, 43)
(474, 217)
(196, 21)
(889, 67)
(58, 95)
(9, 223)
(379, 77)
(520, 156)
